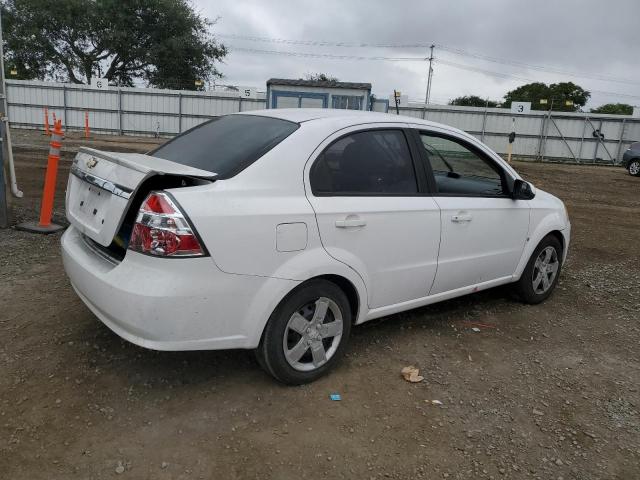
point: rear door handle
(350, 222)
(461, 218)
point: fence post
(179, 112)
(64, 105)
(119, 111)
(4, 209)
(584, 130)
(240, 103)
(595, 150)
(546, 134)
(622, 127)
(484, 123)
(542, 125)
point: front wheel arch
(561, 239)
(523, 288)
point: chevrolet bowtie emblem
(92, 162)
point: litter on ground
(411, 374)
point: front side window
(374, 162)
(459, 170)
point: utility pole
(429, 76)
(4, 210)
(396, 99)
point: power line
(472, 68)
(452, 50)
(321, 43)
(325, 55)
(517, 77)
(515, 63)
(405, 59)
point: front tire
(634, 167)
(306, 334)
(542, 272)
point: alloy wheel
(313, 334)
(545, 270)
(634, 167)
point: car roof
(301, 115)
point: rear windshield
(226, 145)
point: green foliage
(164, 42)
(472, 101)
(320, 77)
(556, 93)
(614, 109)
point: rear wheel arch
(341, 282)
(274, 358)
(349, 289)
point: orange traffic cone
(49, 191)
(47, 131)
(86, 124)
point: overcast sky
(592, 38)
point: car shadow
(137, 365)
(440, 314)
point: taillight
(162, 230)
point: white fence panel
(147, 111)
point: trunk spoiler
(146, 164)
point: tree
(472, 101)
(614, 109)
(163, 42)
(556, 93)
(320, 77)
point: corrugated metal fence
(124, 111)
(575, 137)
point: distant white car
(278, 230)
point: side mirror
(523, 190)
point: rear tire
(542, 272)
(634, 167)
(306, 334)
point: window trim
(414, 154)
(416, 132)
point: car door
(483, 230)
(374, 212)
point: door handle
(350, 222)
(461, 218)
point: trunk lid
(102, 186)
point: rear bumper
(171, 304)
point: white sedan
(278, 230)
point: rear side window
(374, 162)
(226, 145)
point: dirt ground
(548, 391)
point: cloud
(593, 38)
